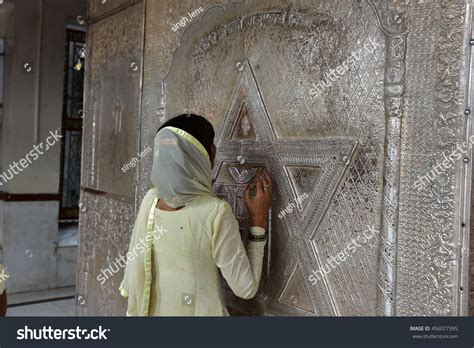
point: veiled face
(181, 169)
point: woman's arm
(242, 268)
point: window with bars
(72, 124)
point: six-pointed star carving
(313, 166)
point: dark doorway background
(72, 124)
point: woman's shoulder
(151, 193)
(147, 201)
(212, 205)
(212, 210)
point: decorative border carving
(289, 18)
(392, 20)
(442, 253)
(443, 259)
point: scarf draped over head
(181, 173)
(181, 167)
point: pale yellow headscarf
(181, 173)
(181, 167)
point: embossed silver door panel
(113, 98)
(344, 161)
(111, 141)
(249, 69)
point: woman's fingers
(268, 179)
(259, 187)
(263, 176)
(267, 187)
(247, 194)
(262, 185)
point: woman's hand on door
(259, 204)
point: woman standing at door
(184, 234)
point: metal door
(347, 103)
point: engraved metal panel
(353, 151)
(113, 102)
(111, 137)
(249, 69)
(430, 265)
(105, 228)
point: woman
(185, 234)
